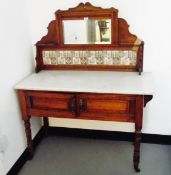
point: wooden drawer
(81, 105)
(107, 107)
(50, 104)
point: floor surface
(79, 156)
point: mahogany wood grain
(90, 67)
(67, 105)
(26, 119)
(49, 104)
(138, 127)
(23, 104)
(29, 137)
(108, 107)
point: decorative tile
(53, 60)
(76, 60)
(84, 60)
(116, 61)
(68, 60)
(106, 57)
(92, 60)
(108, 61)
(61, 60)
(100, 60)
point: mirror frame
(88, 11)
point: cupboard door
(107, 107)
(51, 104)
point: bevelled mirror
(87, 31)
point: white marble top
(90, 81)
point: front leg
(138, 127)
(137, 150)
(29, 137)
(23, 104)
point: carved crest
(86, 7)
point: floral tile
(109, 57)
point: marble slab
(90, 81)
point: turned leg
(29, 138)
(46, 125)
(138, 127)
(137, 150)
(23, 104)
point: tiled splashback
(68, 57)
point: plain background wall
(16, 63)
(149, 20)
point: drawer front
(107, 107)
(50, 104)
(82, 106)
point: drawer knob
(72, 104)
(82, 105)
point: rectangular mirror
(87, 31)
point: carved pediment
(86, 7)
